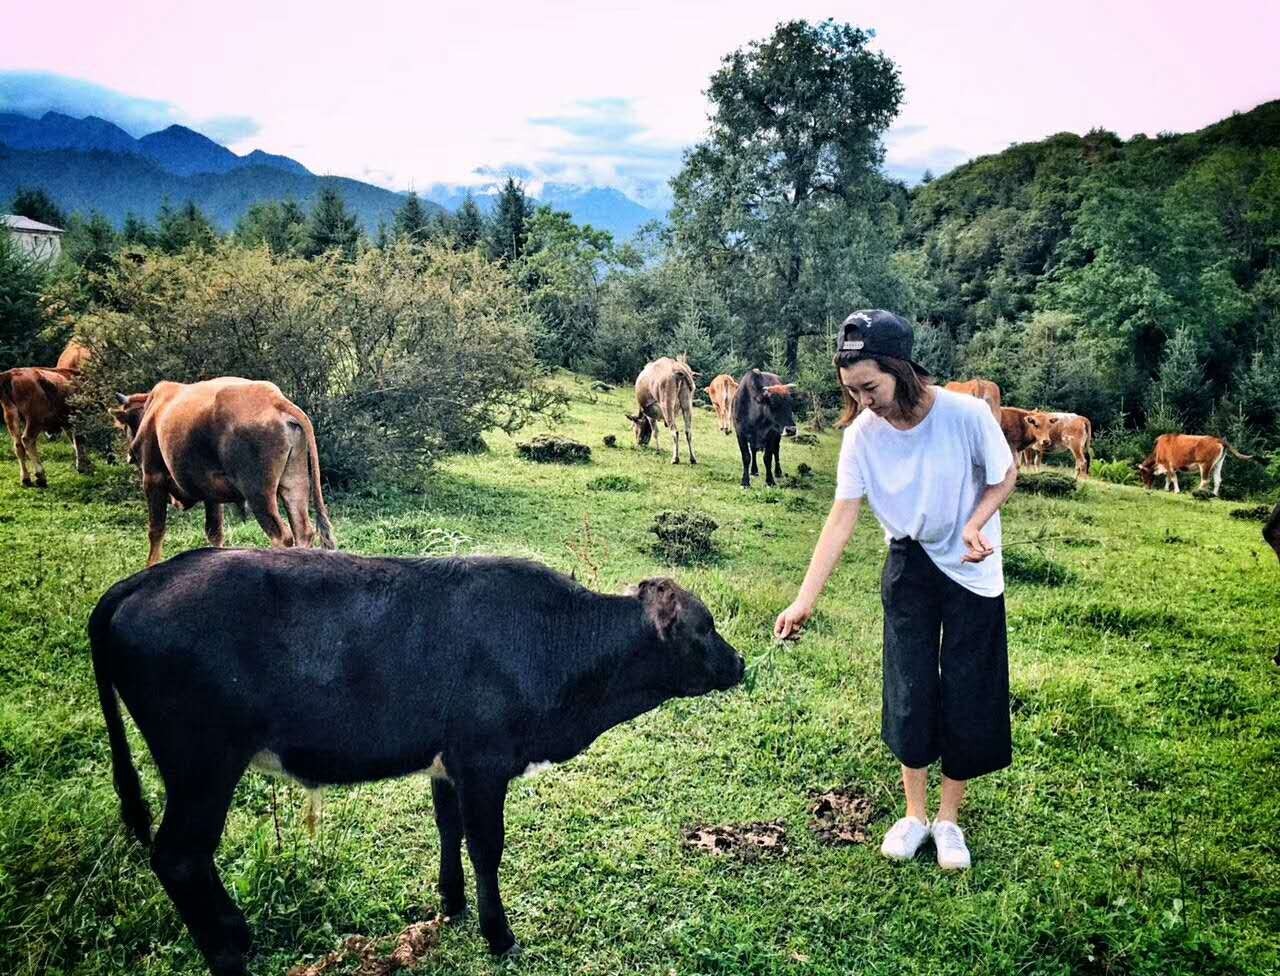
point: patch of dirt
(411, 946)
(841, 816)
(747, 841)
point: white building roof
(27, 225)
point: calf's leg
(745, 450)
(31, 445)
(157, 492)
(266, 510)
(453, 894)
(15, 433)
(688, 432)
(295, 489)
(182, 858)
(482, 800)
(213, 524)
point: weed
(684, 536)
(1254, 513)
(1021, 566)
(552, 449)
(615, 482)
(1050, 483)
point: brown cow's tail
(6, 387)
(133, 807)
(1088, 445)
(323, 524)
(1242, 457)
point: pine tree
(186, 227)
(508, 232)
(137, 232)
(412, 220)
(331, 227)
(34, 204)
(1181, 389)
(468, 226)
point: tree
(468, 226)
(281, 226)
(1180, 389)
(137, 231)
(412, 220)
(331, 227)
(34, 204)
(186, 227)
(794, 137)
(508, 228)
(22, 318)
(91, 244)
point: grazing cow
(721, 390)
(36, 400)
(330, 668)
(1013, 423)
(984, 390)
(1179, 452)
(227, 440)
(74, 356)
(663, 387)
(762, 414)
(1062, 432)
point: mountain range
(90, 164)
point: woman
(935, 469)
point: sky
(409, 94)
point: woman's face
(870, 386)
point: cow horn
(121, 399)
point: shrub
(1254, 513)
(1050, 483)
(551, 449)
(614, 482)
(399, 356)
(1115, 472)
(1022, 566)
(684, 536)
(806, 440)
(610, 440)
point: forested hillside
(1139, 278)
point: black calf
(334, 668)
(762, 414)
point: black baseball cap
(874, 332)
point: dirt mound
(747, 841)
(411, 946)
(841, 816)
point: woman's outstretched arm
(835, 535)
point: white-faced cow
(1062, 432)
(721, 390)
(36, 400)
(227, 440)
(985, 390)
(336, 669)
(762, 415)
(663, 387)
(1180, 452)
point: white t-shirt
(924, 483)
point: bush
(1115, 472)
(398, 357)
(1254, 513)
(684, 536)
(1123, 445)
(610, 440)
(1050, 483)
(551, 449)
(1022, 566)
(614, 482)
(23, 309)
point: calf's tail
(133, 808)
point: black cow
(1271, 531)
(331, 668)
(762, 415)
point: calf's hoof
(693, 460)
(454, 912)
(514, 950)
(228, 962)
(26, 483)
(42, 481)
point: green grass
(1135, 832)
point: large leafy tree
(794, 146)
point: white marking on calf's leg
(534, 768)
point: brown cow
(74, 356)
(1062, 432)
(36, 401)
(664, 386)
(1178, 452)
(1013, 422)
(227, 440)
(984, 390)
(721, 390)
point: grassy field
(1135, 833)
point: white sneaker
(904, 839)
(948, 838)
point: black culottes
(946, 669)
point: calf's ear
(661, 603)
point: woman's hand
(791, 620)
(976, 545)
